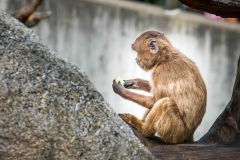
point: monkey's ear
(153, 46)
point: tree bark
(28, 15)
(223, 8)
(226, 127)
(196, 150)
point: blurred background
(96, 35)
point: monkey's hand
(131, 84)
(118, 88)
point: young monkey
(178, 101)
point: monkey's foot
(132, 121)
(126, 117)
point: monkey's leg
(138, 124)
(167, 121)
(164, 118)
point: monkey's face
(147, 53)
(149, 47)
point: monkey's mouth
(140, 65)
(137, 61)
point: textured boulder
(50, 110)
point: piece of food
(118, 79)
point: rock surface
(50, 110)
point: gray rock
(50, 110)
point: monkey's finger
(120, 115)
(128, 83)
(134, 86)
(114, 87)
(127, 86)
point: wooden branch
(196, 150)
(28, 15)
(23, 13)
(223, 8)
(226, 127)
(36, 17)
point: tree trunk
(196, 150)
(223, 8)
(226, 127)
(28, 15)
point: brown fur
(178, 100)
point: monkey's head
(151, 49)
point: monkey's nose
(136, 59)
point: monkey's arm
(137, 84)
(145, 101)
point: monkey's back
(180, 79)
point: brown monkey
(178, 100)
